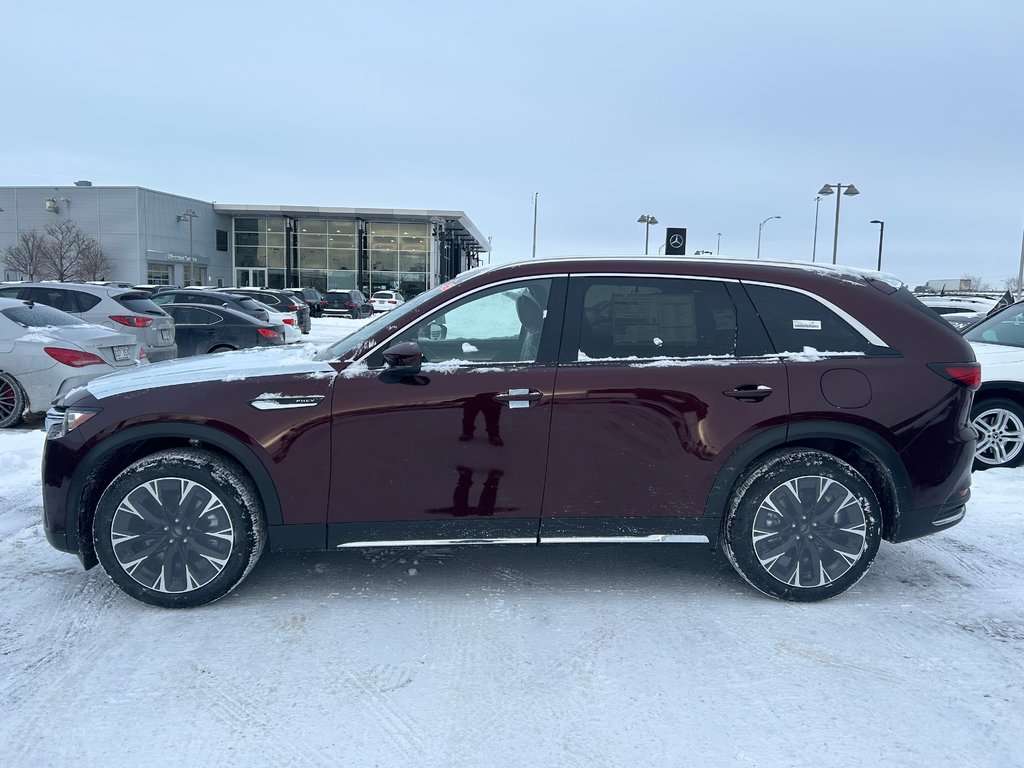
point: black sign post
(675, 241)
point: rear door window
(627, 317)
(57, 298)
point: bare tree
(27, 257)
(94, 262)
(1010, 284)
(70, 253)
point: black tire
(1000, 426)
(12, 401)
(180, 528)
(221, 348)
(802, 525)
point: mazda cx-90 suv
(792, 416)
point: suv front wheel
(179, 528)
(802, 525)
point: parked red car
(794, 416)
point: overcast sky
(710, 116)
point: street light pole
(881, 234)
(647, 219)
(535, 196)
(189, 214)
(759, 228)
(837, 190)
(814, 249)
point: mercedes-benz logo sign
(675, 241)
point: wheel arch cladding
(108, 458)
(865, 451)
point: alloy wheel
(809, 531)
(1000, 436)
(172, 535)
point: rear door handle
(749, 393)
(519, 398)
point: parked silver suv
(120, 309)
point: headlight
(58, 425)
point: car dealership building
(165, 239)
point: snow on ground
(655, 655)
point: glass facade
(326, 254)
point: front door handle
(749, 393)
(519, 398)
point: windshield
(346, 348)
(1005, 327)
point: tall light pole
(881, 234)
(814, 249)
(647, 219)
(189, 214)
(837, 190)
(535, 196)
(1020, 271)
(759, 228)
(718, 248)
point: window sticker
(807, 325)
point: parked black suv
(281, 300)
(350, 303)
(312, 297)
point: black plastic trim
(297, 538)
(736, 464)
(230, 445)
(869, 441)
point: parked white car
(385, 301)
(45, 353)
(289, 320)
(998, 412)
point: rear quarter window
(796, 321)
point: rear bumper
(916, 523)
(157, 354)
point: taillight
(349, 303)
(392, 302)
(132, 321)
(290, 320)
(269, 333)
(965, 374)
(76, 358)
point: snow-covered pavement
(516, 656)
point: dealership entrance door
(250, 278)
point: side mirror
(401, 361)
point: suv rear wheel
(802, 525)
(179, 528)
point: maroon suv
(792, 415)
